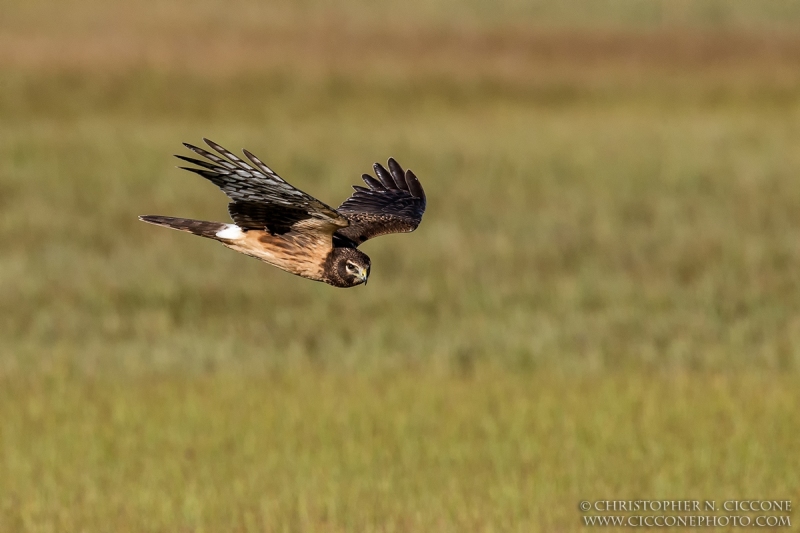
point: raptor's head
(347, 267)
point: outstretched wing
(260, 198)
(394, 203)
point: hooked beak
(363, 275)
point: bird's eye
(351, 267)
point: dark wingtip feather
(398, 174)
(384, 175)
(197, 150)
(220, 149)
(260, 164)
(230, 156)
(373, 183)
(208, 174)
(414, 186)
(198, 162)
(221, 161)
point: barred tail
(198, 227)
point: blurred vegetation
(603, 300)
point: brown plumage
(294, 231)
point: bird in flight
(289, 229)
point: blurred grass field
(603, 300)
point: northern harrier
(287, 228)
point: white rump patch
(230, 232)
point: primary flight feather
(285, 227)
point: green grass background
(603, 301)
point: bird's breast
(299, 254)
